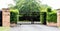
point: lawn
(4, 28)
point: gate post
(58, 17)
(5, 17)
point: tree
(44, 7)
(49, 9)
(27, 6)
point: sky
(55, 4)
(4, 3)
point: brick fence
(58, 17)
(5, 17)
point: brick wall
(5, 17)
(58, 17)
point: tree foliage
(49, 9)
(27, 6)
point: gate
(0, 18)
(35, 16)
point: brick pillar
(58, 17)
(5, 17)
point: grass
(4, 28)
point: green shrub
(52, 17)
(43, 17)
(13, 16)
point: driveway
(34, 27)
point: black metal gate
(0, 18)
(35, 16)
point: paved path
(27, 22)
(33, 27)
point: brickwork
(58, 17)
(52, 24)
(5, 17)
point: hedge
(13, 15)
(49, 16)
(43, 17)
(52, 17)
